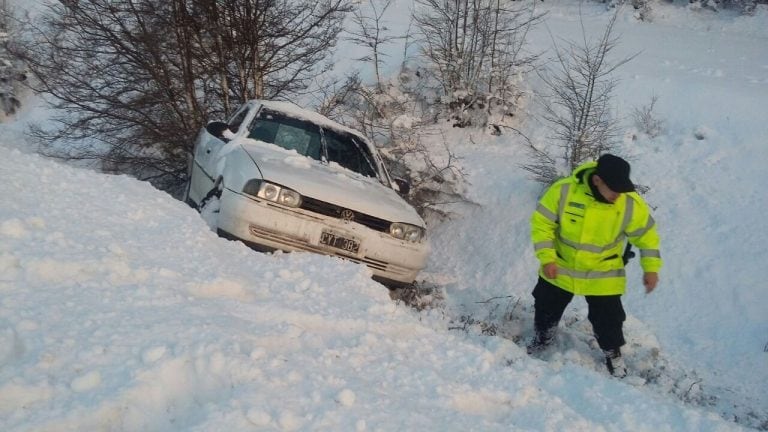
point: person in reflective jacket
(579, 231)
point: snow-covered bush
(476, 54)
(398, 117)
(11, 75)
(646, 120)
(743, 6)
(645, 7)
(12, 72)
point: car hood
(329, 183)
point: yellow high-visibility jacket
(586, 238)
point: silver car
(290, 179)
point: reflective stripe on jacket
(586, 237)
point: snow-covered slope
(121, 310)
(707, 174)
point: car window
(288, 133)
(348, 152)
(237, 119)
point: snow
(294, 111)
(121, 310)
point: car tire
(210, 205)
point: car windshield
(308, 139)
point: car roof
(295, 111)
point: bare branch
(578, 106)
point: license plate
(336, 241)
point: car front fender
(235, 167)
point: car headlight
(404, 231)
(272, 192)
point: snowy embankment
(121, 310)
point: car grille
(332, 210)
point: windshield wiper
(323, 147)
(367, 159)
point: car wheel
(210, 205)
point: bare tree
(133, 80)
(266, 48)
(476, 48)
(370, 31)
(578, 107)
(11, 72)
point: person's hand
(550, 270)
(650, 279)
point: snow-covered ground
(707, 174)
(121, 310)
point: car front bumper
(265, 225)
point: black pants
(605, 313)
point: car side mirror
(402, 186)
(219, 130)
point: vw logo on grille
(347, 215)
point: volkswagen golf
(286, 178)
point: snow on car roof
(296, 111)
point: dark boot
(615, 363)
(541, 340)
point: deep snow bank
(120, 310)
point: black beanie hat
(614, 171)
